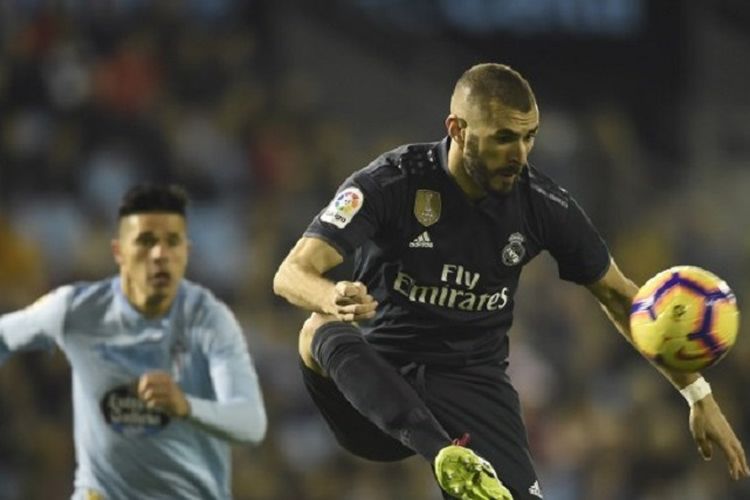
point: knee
(312, 324)
(306, 335)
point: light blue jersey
(124, 450)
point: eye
(145, 240)
(505, 138)
(174, 240)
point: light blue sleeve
(238, 414)
(36, 327)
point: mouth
(507, 176)
(511, 171)
(161, 278)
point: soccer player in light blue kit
(162, 377)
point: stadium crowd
(90, 104)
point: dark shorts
(478, 400)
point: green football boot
(465, 475)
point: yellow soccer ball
(684, 318)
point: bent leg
(304, 341)
(352, 430)
(370, 384)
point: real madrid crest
(427, 207)
(514, 251)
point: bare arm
(615, 293)
(708, 425)
(300, 280)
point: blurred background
(261, 107)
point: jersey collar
(131, 315)
(442, 154)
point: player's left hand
(709, 426)
(158, 390)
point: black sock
(376, 389)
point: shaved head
(492, 124)
(491, 83)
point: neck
(149, 306)
(459, 174)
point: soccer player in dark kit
(440, 233)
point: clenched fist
(351, 302)
(158, 390)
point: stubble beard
(479, 173)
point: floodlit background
(261, 107)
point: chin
(501, 192)
(157, 297)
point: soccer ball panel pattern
(685, 318)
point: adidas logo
(535, 490)
(421, 241)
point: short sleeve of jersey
(355, 214)
(581, 254)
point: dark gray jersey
(445, 269)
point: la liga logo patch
(344, 207)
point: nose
(519, 152)
(159, 252)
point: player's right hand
(159, 390)
(351, 302)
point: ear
(116, 251)
(456, 133)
